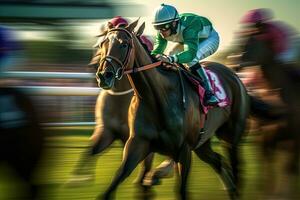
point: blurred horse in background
(160, 121)
(285, 79)
(21, 137)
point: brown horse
(111, 116)
(286, 77)
(160, 121)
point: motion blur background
(53, 42)
(58, 35)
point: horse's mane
(147, 50)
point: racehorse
(160, 121)
(111, 116)
(279, 75)
(21, 137)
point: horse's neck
(151, 84)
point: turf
(62, 153)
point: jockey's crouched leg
(209, 98)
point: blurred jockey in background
(21, 136)
(8, 47)
(282, 38)
(195, 35)
(119, 21)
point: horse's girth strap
(145, 67)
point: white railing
(60, 91)
(55, 90)
(27, 74)
(68, 124)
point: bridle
(111, 59)
(122, 70)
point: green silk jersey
(191, 30)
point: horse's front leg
(164, 170)
(135, 151)
(85, 168)
(146, 168)
(184, 164)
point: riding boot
(210, 99)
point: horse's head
(117, 55)
(255, 51)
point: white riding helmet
(165, 14)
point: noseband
(120, 71)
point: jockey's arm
(160, 45)
(190, 47)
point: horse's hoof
(151, 181)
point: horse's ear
(140, 30)
(132, 26)
(102, 34)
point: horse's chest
(168, 142)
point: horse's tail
(265, 111)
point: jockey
(196, 36)
(8, 48)
(119, 21)
(281, 37)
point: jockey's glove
(166, 59)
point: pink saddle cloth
(217, 89)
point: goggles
(163, 27)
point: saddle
(216, 85)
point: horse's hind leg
(184, 163)
(134, 152)
(236, 133)
(232, 132)
(294, 158)
(215, 160)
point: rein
(143, 68)
(127, 60)
(182, 87)
(129, 71)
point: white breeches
(205, 48)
